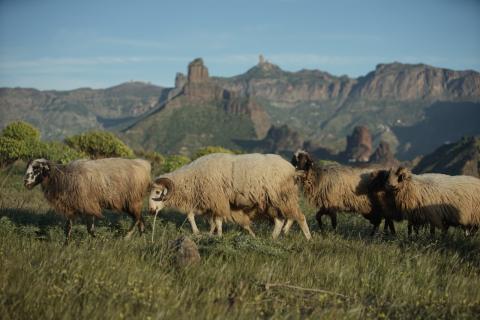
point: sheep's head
(378, 180)
(161, 191)
(37, 170)
(396, 178)
(301, 160)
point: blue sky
(49, 44)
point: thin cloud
(66, 61)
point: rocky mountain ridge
(396, 102)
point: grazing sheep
(436, 199)
(337, 188)
(85, 187)
(232, 187)
(383, 200)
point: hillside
(413, 107)
(62, 113)
(459, 158)
(201, 113)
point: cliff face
(403, 82)
(415, 107)
(458, 158)
(268, 81)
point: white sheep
(232, 187)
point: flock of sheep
(239, 188)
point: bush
(99, 144)
(174, 162)
(59, 152)
(11, 150)
(21, 131)
(212, 149)
(155, 158)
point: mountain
(390, 100)
(412, 107)
(62, 113)
(200, 113)
(460, 157)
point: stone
(186, 252)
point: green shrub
(99, 144)
(212, 149)
(174, 162)
(11, 150)
(59, 152)
(155, 158)
(22, 131)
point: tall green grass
(112, 278)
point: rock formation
(383, 156)
(359, 145)
(458, 158)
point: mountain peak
(197, 72)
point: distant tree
(212, 149)
(11, 150)
(99, 144)
(22, 131)
(174, 162)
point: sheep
(383, 200)
(337, 188)
(85, 187)
(436, 199)
(232, 187)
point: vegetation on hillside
(99, 144)
(21, 141)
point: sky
(62, 45)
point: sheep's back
(263, 179)
(90, 185)
(341, 189)
(441, 199)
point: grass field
(112, 278)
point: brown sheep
(85, 187)
(436, 199)
(337, 188)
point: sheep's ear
(403, 174)
(46, 167)
(294, 160)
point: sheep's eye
(157, 192)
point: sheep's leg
(333, 219)
(218, 223)
(68, 230)
(287, 226)
(191, 219)
(131, 230)
(304, 226)
(278, 227)
(141, 226)
(91, 225)
(250, 231)
(432, 230)
(391, 226)
(211, 222)
(318, 216)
